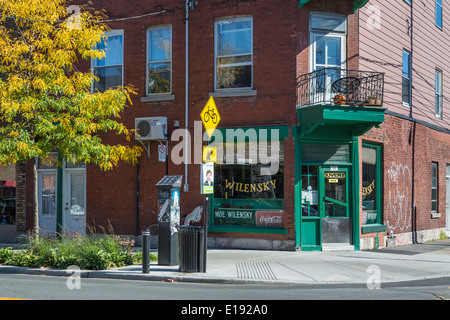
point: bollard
(146, 251)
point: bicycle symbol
(210, 114)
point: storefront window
(370, 185)
(8, 194)
(244, 195)
(309, 191)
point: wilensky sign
(250, 187)
(249, 217)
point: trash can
(192, 246)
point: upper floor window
(159, 60)
(234, 53)
(439, 13)
(109, 70)
(406, 78)
(434, 186)
(438, 95)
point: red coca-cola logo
(269, 218)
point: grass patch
(88, 252)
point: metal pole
(146, 251)
(186, 102)
(205, 231)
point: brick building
(351, 94)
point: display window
(246, 191)
(8, 195)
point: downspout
(186, 106)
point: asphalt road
(17, 286)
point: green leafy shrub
(5, 254)
(21, 259)
(89, 252)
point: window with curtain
(159, 60)
(109, 70)
(234, 53)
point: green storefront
(247, 199)
(327, 173)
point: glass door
(334, 199)
(74, 201)
(47, 202)
(327, 54)
(335, 194)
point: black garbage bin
(192, 246)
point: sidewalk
(413, 262)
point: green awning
(337, 122)
(357, 4)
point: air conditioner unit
(150, 128)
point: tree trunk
(35, 200)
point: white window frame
(438, 93)
(441, 5)
(405, 104)
(331, 33)
(436, 187)
(112, 33)
(232, 19)
(147, 62)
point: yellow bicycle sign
(210, 116)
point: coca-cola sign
(269, 218)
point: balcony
(341, 87)
(338, 104)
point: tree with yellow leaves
(46, 103)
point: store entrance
(334, 199)
(326, 206)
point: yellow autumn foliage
(46, 102)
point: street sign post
(210, 117)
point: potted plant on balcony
(371, 100)
(378, 101)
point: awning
(337, 122)
(357, 4)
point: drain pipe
(186, 160)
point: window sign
(370, 184)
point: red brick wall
(409, 148)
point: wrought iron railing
(340, 87)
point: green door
(335, 204)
